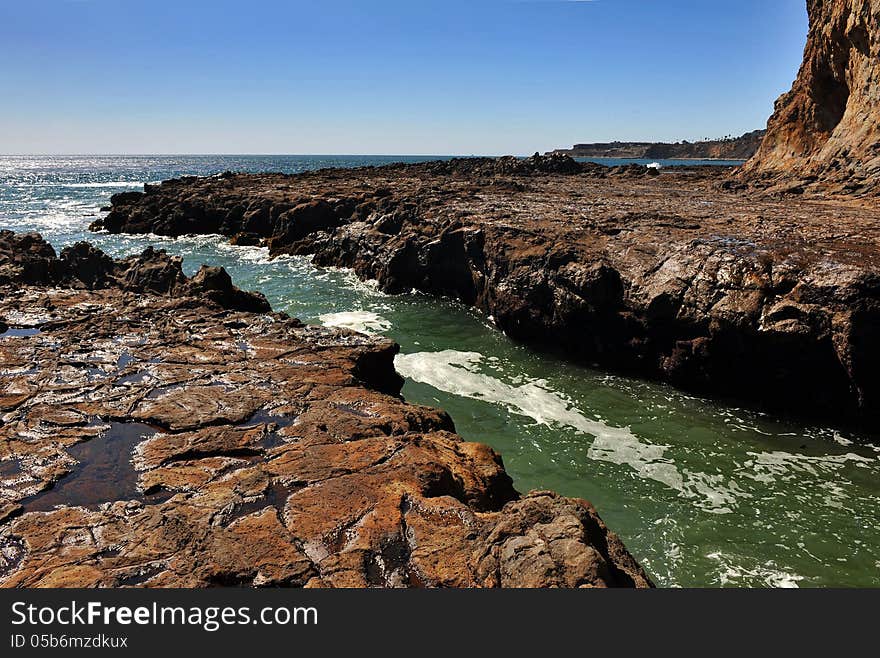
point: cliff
(736, 148)
(824, 135)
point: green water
(702, 493)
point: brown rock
(265, 453)
(675, 276)
(824, 133)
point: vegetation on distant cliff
(726, 148)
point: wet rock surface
(678, 275)
(157, 433)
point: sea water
(702, 493)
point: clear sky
(371, 77)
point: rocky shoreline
(682, 276)
(165, 431)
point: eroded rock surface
(163, 431)
(675, 276)
(824, 136)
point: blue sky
(423, 76)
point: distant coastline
(665, 162)
(727, 148)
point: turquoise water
(703, 494)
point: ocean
(703, 493)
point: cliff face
(824, 135)
(738, 148)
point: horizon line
(332, 155)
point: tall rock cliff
(824, 135)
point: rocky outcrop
(824, 135)
(729, 148)
(162, 431)
(26, 259)
(669, 276)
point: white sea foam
(458, 373)
(841, 439)
(365, 322)
(260, 256)
(768, 466)
(366, 287)
(250, 254)
(768, 574)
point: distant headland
(726, 148)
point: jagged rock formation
(28, 259)
(669, 276)
(732, 148)
(824, 136)
(161, 431)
